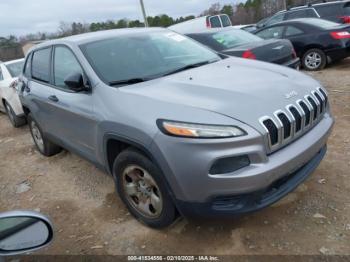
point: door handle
(53, 98)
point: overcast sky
(21, 17)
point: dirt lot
(90, 219)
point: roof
(12, 61)
(211, 30)
(100, 35)
(313, 5)
(298, 20)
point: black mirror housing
(75, 82)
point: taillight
(14, 84)
(346, 19)
(208, 23)
(248, 54)
(340, 35)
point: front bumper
(186, 162)
(245, 203)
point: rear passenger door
(297, 36)
(37, 88)
(74, 118)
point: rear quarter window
(329, 10)
(304, 13)
(41, 65)
(346, 9)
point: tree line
(248, 12)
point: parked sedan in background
(316, 41)
(235, 42)
(9, 101)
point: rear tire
(15, 120)
(141, 186)
(314, 60)
(44, 146)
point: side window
(1, 76)
(65, 64)
(41, 65)
(215, 21)
(27, 67)
(329, 10)
(273, 32)
(225, 21)
(275, 19)
(301, 14)
(292, 31)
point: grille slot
(286, 125)
(297, 118)
(306, 111)
(319, 100)
(273, 131)
(294, 120)
(325, 97)
(314, 106)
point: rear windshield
(324, 24)
(231, 38)
(15, 69)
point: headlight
(199, 130)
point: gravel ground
(90, 219)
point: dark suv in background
(338, 11)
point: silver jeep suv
(181, 129)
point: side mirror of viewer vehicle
(23, 231)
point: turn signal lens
(199, 130)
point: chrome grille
(286, 125)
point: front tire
(44, 146)
(141, 186)
(314, 60)
(15, 120)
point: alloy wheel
(313, 60)
(142, 191)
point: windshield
(231, 38)
(144, 56)
(325, 24)
(15, 69)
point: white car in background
(9, 101)
(202, 23)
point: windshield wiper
(186, 67)
(128, 81)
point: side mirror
(75, 82)
(23, 231)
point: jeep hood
(238, 88)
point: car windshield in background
(15, 69)
(232, 38)
(132, 58)
(324, 24)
